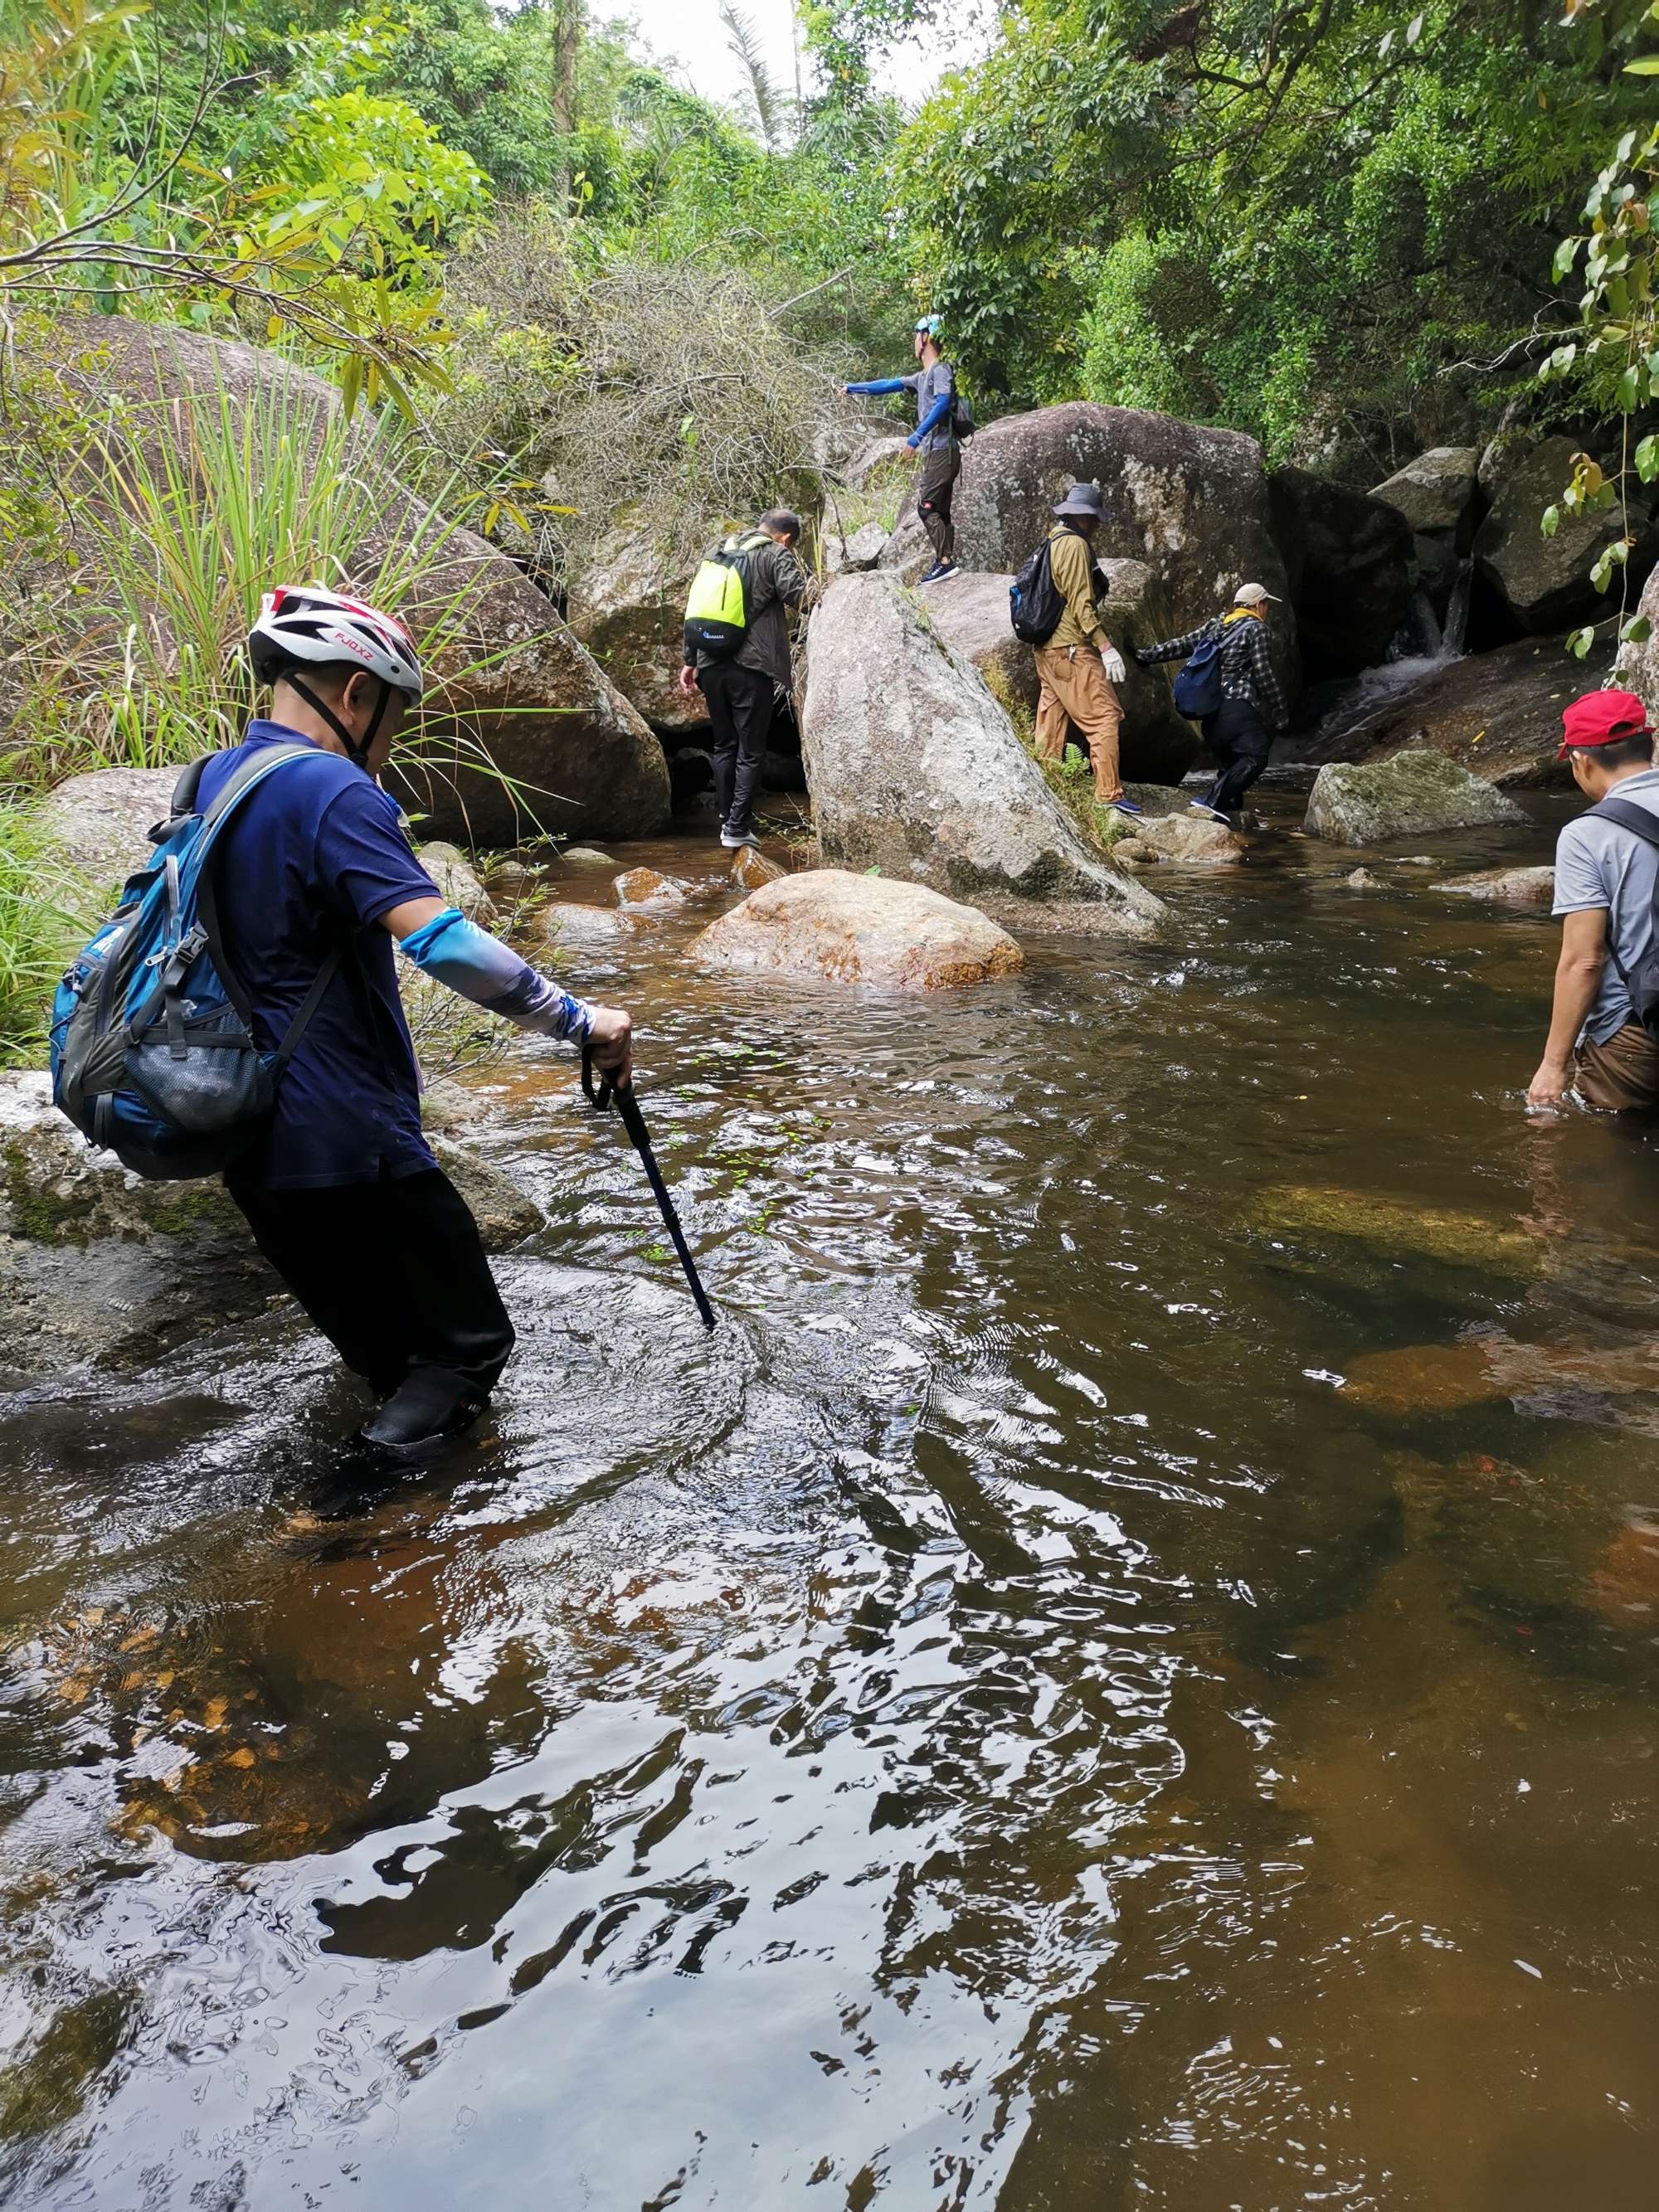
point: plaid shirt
(1246, 668)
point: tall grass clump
(41, 924)
(180, 512)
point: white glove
(1112, 661)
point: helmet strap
(358, 749)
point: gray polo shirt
(930, 384)
(1598, 864)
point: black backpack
(1644, 985)
(1035, 605)
(962, 417)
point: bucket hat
(1083, 499)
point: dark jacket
(774, 581)
(1246, 668)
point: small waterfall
(1419, 637)
(1456, 632)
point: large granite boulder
(1637, 666)
(1544, 582)
(915, 769)
(98, 1265)
(1412, 795)
(100, 824)
(1438, 492)
(511, 676)
(1189, 503)
(1349, 560)
(970, 613)
(1497, 714)
(627, 610)
(845, 928)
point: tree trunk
(566, 36)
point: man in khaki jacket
(1080, 667)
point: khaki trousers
(1076, 695)
(1622, 1075)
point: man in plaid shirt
(1252, 710)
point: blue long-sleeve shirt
(935, 388)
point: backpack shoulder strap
(253, 771)
(1628, 816)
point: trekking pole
(634, 1121)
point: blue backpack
(1197, 687)
(153, 1055)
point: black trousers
(935, 494)
(740, 712)
(1238, 736)
(393, 1274)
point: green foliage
(41, 926)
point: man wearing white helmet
(316, 882)
(935, 438)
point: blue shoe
(939, 571)
(1125, 806)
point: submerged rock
(585, 857)
(98, 1265)
(1407, 796)
(845, 928)
(1506, 886)
(645, 887)
(587, 928)
(1397, 1228)
(750, 869)
(1192, 838)
(915, 768)
(1362, 879)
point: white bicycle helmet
(303, 622)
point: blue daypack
(1197, 687)
(153, 1055)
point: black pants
(393, 1273)
(741, 711)
(939, 471)
(1238, 736)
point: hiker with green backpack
(735, 649)
(944, 419)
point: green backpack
(717, 610)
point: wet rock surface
(1348, 559)
(1192, 838)
(645, 887)
(1544, 582)
(1411, 793)
(915, 768)
(1506, 886)
(843, 928)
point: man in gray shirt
(935, 438)
(1606, 875)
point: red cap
(1603, 718)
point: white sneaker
(734, 843)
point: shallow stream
(1123, 1675)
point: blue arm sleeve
(881, 384)
(936, 414)
(492, 975)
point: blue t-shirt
(311, 860)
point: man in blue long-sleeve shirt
(935, 438)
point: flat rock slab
(832, 924)
(1412, 794)
(1506, 886)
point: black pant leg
(934, 499)
(1247, 744)
(752, 711)
(448, 1312)
(723, 733)
(322, 1243)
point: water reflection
(1121, 1674)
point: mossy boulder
(1395, 1229)
(1411, 795)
